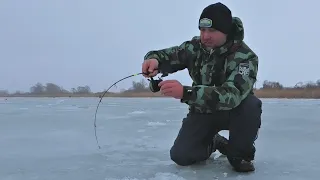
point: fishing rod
(153, 87)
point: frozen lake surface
(53, 139)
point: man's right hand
(149, 67)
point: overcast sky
(96, 42)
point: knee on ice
(181, 158)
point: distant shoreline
(261, 93)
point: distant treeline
(51, 89)
(270, 89)
(299, 85)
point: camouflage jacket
(222, 77)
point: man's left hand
(171, 88)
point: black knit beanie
(217, 16)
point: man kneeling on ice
(223, 69)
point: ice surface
(53, 139)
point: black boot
(241, 165)
(220, 143)
(245, 163)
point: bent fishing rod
(153, 87)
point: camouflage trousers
(196, 134)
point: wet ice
(53, 138)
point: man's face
(212, 38)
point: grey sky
(100, 41)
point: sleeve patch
(244, 69)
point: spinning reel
(154, 84)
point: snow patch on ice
(137, 112)
(158, 176)
(156, 124)
(167, 176)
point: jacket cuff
(188, 94)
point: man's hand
(149, 67)
(172, 88)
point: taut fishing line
(154, 83)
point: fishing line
(95, 115)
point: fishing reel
(154, 84)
